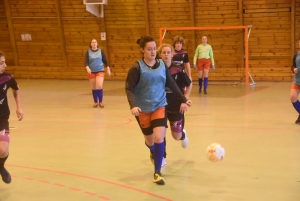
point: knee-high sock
(200, 83)
(165, 142)
(205, 83)
(2, 161)
(94, 91)
(158, 155)
(150, 147)
(297, 106)
(100, 95)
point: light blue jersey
(297, 76)
(150, 91)
(95, 61)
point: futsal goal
(230, 48)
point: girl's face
(204, 40)
(149, 50)
(2, 64)
(94, 44)
(178, 46)
(166, 54)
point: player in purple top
(6, 81)
(180, 56)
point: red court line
(95, 179)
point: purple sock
(297, 106)
(95, 96)
(159, 150)
(100, 95)
(200, 83)
(205, 83)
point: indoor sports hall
(67, 150)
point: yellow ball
(215, 152)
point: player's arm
(132, 80)
(19, 111)
(186, 81)
(196, 55)
(105, 61)
(86, 62)
(294, 64)
(187, 65)
(171, 84)
(211, 55)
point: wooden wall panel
(5, 45)
(125, 23)
(52, 25)
(270, 39)
(297, 25)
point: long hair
(1, 54)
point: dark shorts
(4, 130)
(149, 120)
(176, 122)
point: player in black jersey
(180, 56)
(6, 81)
(175, 108)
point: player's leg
(159, 123)
(92, 79)
(206, 71)
(200, 68)
(99, 86)
(177, 128)
(295, 90)
(4, 146)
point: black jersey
(182, 80)
(180, 57)
(6, 81)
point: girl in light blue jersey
(295, 88)
(95, 60)
(145, 89)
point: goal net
(230, 49)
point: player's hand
(195, 66)
(189, 102)
(88, 70)
(183, 108)
(213, 67)
(20, 114)
(136, 111)
(108, 71)
(295, 70)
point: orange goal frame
(246, 37)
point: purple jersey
(6, 81)
(182, 81)
(180, 57)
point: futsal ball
(215, 152)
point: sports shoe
(5, 175)
(95, 105)
(151, 158)
(298, 120)
(199, 90)
(205, 92)
(101, 105)
(158, 179)
(185, 142)
(164, 162)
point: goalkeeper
(204, 58)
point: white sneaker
(185, 142)
(164, 162)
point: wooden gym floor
(65, 150)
